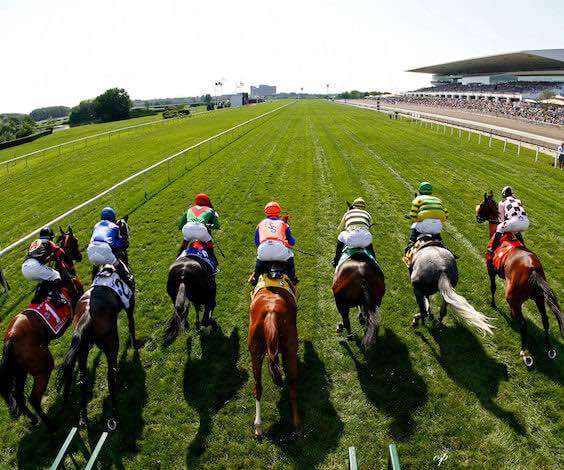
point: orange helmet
(272, 209)
(202, 199)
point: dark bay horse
(97, 315)
(26, 342)
(524, 280)
(359, 282)
(190, 280)
(273, 331)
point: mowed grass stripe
(431, 391)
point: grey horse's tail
(372, 320)
(539, 283)
(180, 306)
(462, 307)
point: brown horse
(26, 342)
(97, 314)
(273, 331)
(359, 282)
(524, 280)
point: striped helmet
(359, 203)
(425, 188)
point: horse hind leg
(429, 310)
(550, 351)
(20, 397)
(422, 304)
(40, 382)
(344, 311)
(443, 311)
(491, 274)
(257, 358)
(517, 315)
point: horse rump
(272, 337)
(539, 284)
(8, 379)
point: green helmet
(425, 188)
(359, 203)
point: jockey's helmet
(108, 213)
(46, 233)
(359, 203)
(272, 209)
(506, 192)
(425, 188)
(202, 199)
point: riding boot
(213, 258)
(519, 237)
(292, 270)
(95, 271)
(370, 249)
(495, 243)
(41, 292)
(125, 274)
(57, 299)
(259, 267)
(412, 239)
(338, 253)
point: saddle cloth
(508, 241)
(348, 252)
(198, 253)
(111, 279)
(283, 283)
(419, 244)
(56, 318)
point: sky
(64, 51)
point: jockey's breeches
(355, 238)
(33, 270)
(519, 223)
(196, 231)
(100, 253)
(273, 250)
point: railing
(220, 140)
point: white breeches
(100, 253)
(273, 250)
(519, 223)
(33, 270)
(355, 238)
(431, 226)
(196, 231)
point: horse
(190, 280)
(359, 282)
(96, 323)
(273, 331)
(27, 338)
(524, 279)
(433, 269)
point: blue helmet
(108, 213)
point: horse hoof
(83, 423)
(415, 322)
(112, 424)
(340, 327)
(551, 353)
(527, 358)
(258, 436)
(350, 337)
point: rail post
(537, 154)
(393, 458)
(505, 144)
(479, 137)
(353, 463)
(519, 149)
(490, 143)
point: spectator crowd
(528, 88)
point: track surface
(433, 391)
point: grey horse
(434, 270)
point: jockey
(512, 216)
(107, 245)
(427, 214)
(197, 223)
(354, 230)
(34, 268)
(273, 240)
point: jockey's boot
(41, 292)
(57, 299)
(519, 237)
(125, 274)
(213, 259)
(338, 253)
(259, 266)
(495, 243)
(95, 271)
(370, 249)
(408, 247)
(292, 270)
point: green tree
(84, 112)
(112, 105)
(208, 99)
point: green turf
(432, 391)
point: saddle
(507, 243)
(423, 241)
(57, 319)
(201, 255)
(358, 254)
(275, 276)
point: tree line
(112, 105)
(14, 126)
(355, 94)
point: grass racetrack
(436, 392)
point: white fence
(221, 140)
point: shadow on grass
(466, 362)
(211, 382)
(390, 383)
(321, 425)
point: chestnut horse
(273, 331)
(26, 342)
(97, 314)
(524, 280)
(359, 282)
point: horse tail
(81, 338)
(176, 320)
(540, 285)
(462, 307)
(272, 338)
(8, 379)
(372, 320)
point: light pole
(327, 90)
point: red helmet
(272, 209)
(202, 199)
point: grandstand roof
(523, 61)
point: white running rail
(132, 177)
